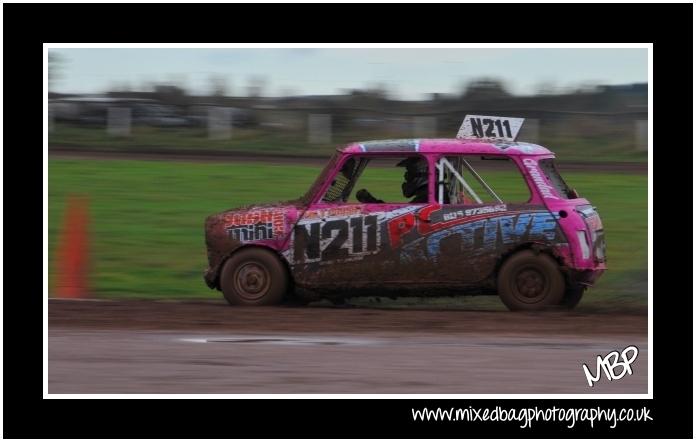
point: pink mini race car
(441, 229)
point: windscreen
(343, 182)
(307, 198)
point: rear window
(548, 167)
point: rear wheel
(253, 276)
(530, 281)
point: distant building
(632, 89)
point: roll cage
(450, 180)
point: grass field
(147, 222)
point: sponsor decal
(522, 147)
(256, 225)
(475, 211)
(251, 232)
(417, 231)
(332, 212)
(505, 229)
(483, 235)
(335, 239)
(324, 239)
(545, 189)
(406, 145)
(401, 228)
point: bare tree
(218, 85)
(485, 88)
(257, 86)
(378, 90)
(56, 63)
(287, 92)
(587, 87)
(546, 87)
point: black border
(26, 26)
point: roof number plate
(490, 128)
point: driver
(415, 182)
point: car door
(341, 242)
(474, 226)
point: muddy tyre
(573, 295)
(254, 277)
(530, 281)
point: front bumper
(210, 277)
(585, 277)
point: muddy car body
(536, 253)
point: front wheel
(253, 277)
(530, 281)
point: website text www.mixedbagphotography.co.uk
(526, 416)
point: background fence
(610, 125)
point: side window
(375, 180)
(471, 180)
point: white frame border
(648, 46)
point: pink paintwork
(566, 226)
(433, 149)
(459, 146)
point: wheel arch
(537, 248)
(531, 293)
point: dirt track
(218, 316)
(209, 347)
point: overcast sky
(408, 73)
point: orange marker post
(73, 251)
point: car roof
(447, 145)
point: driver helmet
(415, 177)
